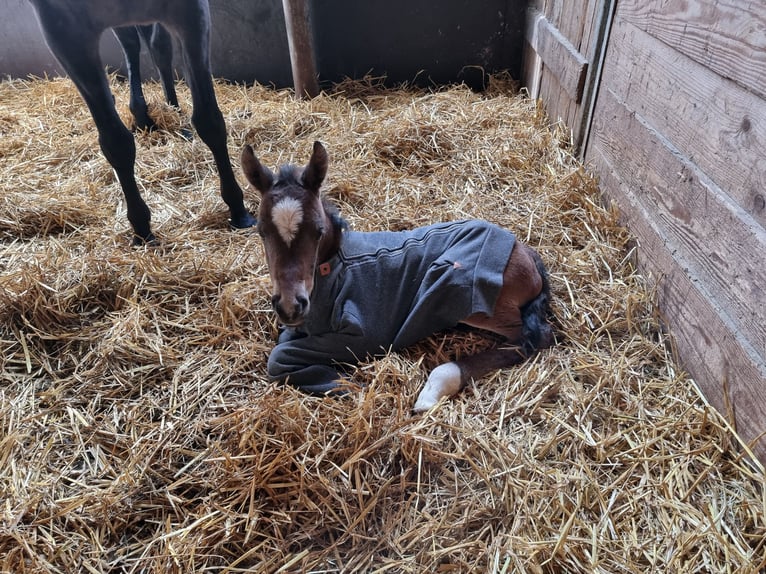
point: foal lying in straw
(344, 295)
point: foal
(344, 295)
(72, 29)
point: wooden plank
(558, 104)
(712, 347)
(532, 68)
(597, 35)
(725, 250)
(532, 65)
(569, 19)
(558, 54)
(727, 37)
(588, 44)
(705, 116)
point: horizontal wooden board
(558, 54)
(712, 347)
(727, 37)
(716, 122)
(723, 252)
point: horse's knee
(444, 381)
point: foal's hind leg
(449, 379)
(79, 56)
(520, 316)
(207, 117)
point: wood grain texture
(678, 139)
(724, 250)
(302, 58)
(728, 37)
(714, 312)
(558, 54)
(579, 22)
(569, 19)
(715, 121)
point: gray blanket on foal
(388, 290)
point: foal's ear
(259, 176)
(316, 170)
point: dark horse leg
(78, 54)
(161, 49)
(160, 45)
(72, 30)
(131, 47)
(207, 118)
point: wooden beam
(558, 54)
(301, 48)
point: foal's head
(297, 228)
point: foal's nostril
(302, 303)
(275, 300)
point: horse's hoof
(144, 125)
(444, 381)
(150, 240)
(244, 221)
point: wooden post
(301, 49)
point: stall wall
(248, 41)
(677, 136)
(401, 40)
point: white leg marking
(444, 381)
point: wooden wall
(678, 139)
(564, 45)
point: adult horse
(345, 295)
(160, 45)
(72, 29)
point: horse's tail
(536, 329)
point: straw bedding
(139, 433)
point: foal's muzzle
(291, 311)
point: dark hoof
(244, 221)
(146, 125)
(149, 240)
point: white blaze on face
(287, 216)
